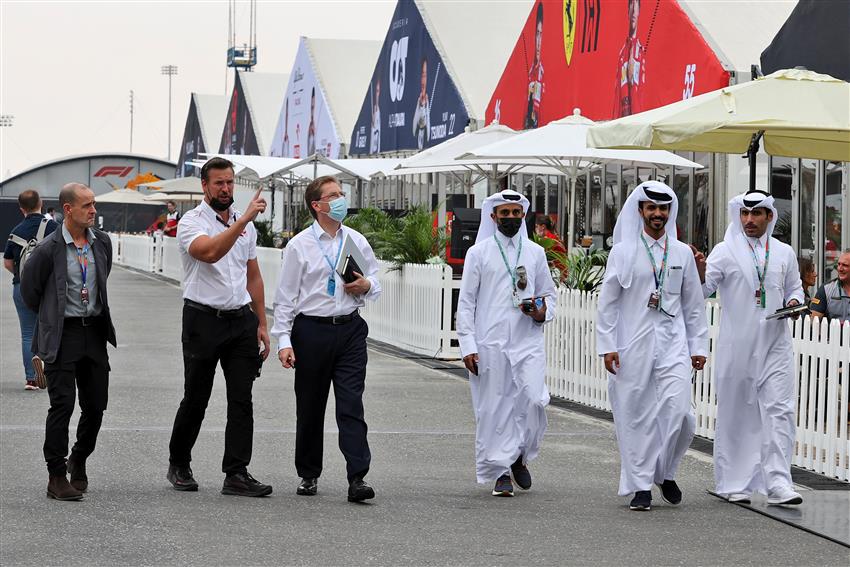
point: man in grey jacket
(65, 282)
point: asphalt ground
(428, 510)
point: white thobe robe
(754, 372)
(651, 393)
(509, 394)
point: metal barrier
(416, 313)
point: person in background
(35, 226)
(50, 213)
(808, 275)
(545, 228)
(172, 217)
(832, 300)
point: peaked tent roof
(815, 36)
(736, 30)
(475, 40)
(343, 67)
(211, 110)
(264, 94)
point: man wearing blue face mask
(316, 318)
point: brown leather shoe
(59, 488)
(77, 472)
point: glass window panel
(596, 206)
(808, 207)
(834, 205)
(627, 183)
(611, 204)
(581, 209)
(682, 187)
(701, 201)
(782, 174)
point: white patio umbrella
(801, 114)
(181, 185)
(123, 196)
(562, 145)
(176, 197)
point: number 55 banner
(412, 102)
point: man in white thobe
(506, 296)
(755, 274)
(651, 329)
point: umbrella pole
(752, 152)
(572, 212)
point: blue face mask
(338, 209)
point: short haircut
(68, 193)
(171, 203)
(540, 12)
(29, 200)
(314, 191)
(806, 265)
(546, 221)
(50, 209)
(214, 163)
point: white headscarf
(735, 237)
(630, 224)
(487, 227)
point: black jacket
(47, 272)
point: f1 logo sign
(109, 170)
(398, 65)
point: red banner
(609, 58)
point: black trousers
(208, 340)
(330, 354)
(81, 364)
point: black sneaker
(308, 487)
(642, 501)
(358, 491)
(243, 484)
(670, 492)
(522, 476)
(504, 486)
(181, 478)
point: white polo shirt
(223, 285)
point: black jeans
(330, 354)
(81, 364)
(208, 340)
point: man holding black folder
(316, 319)
(755, 275)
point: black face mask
(219, 205)
(509, 226)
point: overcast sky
(66, 68)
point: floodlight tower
(170, 71)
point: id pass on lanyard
(512, 273)
(655, 297)
(83, 259)
(331, 288)
(761, 294)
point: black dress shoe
(308, 487)
(243, 484)
(77, 472)
(522, 475)
(670, 492)
(181, 478)
(59, 488)
(642, 501)
(358, 491)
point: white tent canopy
(261, 168)
(178, 185)
(124, 197)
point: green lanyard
(761, 273)
(511, 273)
(656, 273)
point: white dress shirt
(224, 284)
(303, 284)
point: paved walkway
(428, 511)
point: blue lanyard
(331, 263)
(83, 259)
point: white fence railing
(416, 313)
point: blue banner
(412, 103)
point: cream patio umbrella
(562, 145)
(800, 113)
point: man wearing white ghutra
(651, 329)
(506, 295)
(754, 274)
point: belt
(84, 321)
(220, 313)
(335, 320)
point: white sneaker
(739, 497)
(783, 496)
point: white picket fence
(416, 313)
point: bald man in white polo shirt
(224, 321)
